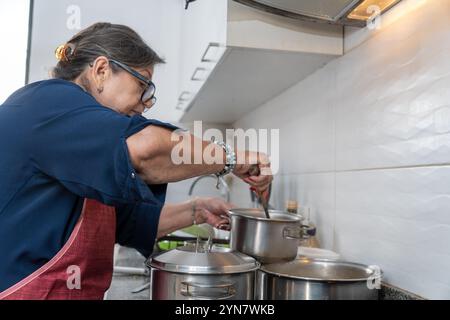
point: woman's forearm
(151, 155)
(213, 211)
(174, 217)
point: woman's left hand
(213, 211)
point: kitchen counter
(122, 284)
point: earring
(100, 90)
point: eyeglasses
(148, 96)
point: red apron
(83, 268)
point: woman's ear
(100, 72)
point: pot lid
(202, 260)
(322, 270)
(275, 215)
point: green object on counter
(194, 231)
(197, 231)
(169, 245)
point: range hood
(343, 12)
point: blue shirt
(58, 146)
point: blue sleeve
(85, 150)
(137, 226)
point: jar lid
(194, 259)
(291, 205)
(322, 270)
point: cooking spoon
(254, 171)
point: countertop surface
(123, 285)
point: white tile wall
(365, 142)
(399, 220)
(178, 192)
(307, 122)
(397, 111)
(317, 192)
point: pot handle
(230, 290)
(298, 232)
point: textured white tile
(394, 99)
(397, 117)
(316, 191)
(304, 115)
(240, 194)
(179, 191)
(282, 189)
(398, 219)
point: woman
(81, 169)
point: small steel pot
(315, 279)
(202, 273)
(268, 240)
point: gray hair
(114, 41)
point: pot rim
(373, 276)
(292, 217)
(165, 262)
(201, 271)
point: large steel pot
(202, 273)
(268, 240)
(309, 279)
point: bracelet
(230, 162)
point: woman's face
(119, 90)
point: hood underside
(341, 12)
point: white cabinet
(234, 58)
(203, 37)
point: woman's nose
(148, 105)
(141, 107)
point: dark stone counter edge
(390, 292)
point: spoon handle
(263, 202)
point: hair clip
(64, 52)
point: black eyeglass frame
(151, 88)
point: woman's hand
(213, 211)
(254, 169)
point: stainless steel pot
(202, 273)
(308, 279)
(267, 240)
